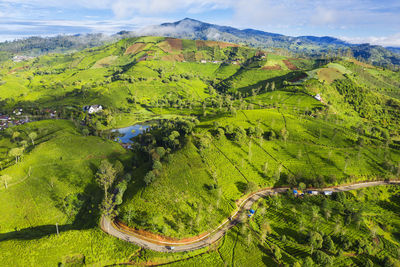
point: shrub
(121, 188)
(322, 258)
(149, 178)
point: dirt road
(210, 238)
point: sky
(356, 21)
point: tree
(239, 133)
(388, 262)
(251, 187)
(221, 133)
(160, 151)
(314, 240)
(5, 178)
(119, 168)
(24, 143)
(233, 111)
(258, 132)
(277, 253)
(322, 258)
(33, 136)
(328, 243)
(216, 125)
(302, 186)
(265, 230)
(121, 188)
(157, 165)
(16, 152)
(308, 262)
(285, 134)
(272, 86)
(369, 263)
(173, 139)
(251, 131)
(149, 178)
(265, 168)
(106, 175)
(107, 207)
(15, 135)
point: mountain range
(194, 29)
(311, 45)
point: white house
(17, 112)
(93, 109)
(318, 97)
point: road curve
(205, 240)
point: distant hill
(194, 29)
(198, 30)
(59, 44)
(394, 49)
(190, 28)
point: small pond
(129, 132)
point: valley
(206, 125)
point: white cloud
(292, 17)
(324, 15)
(392, 40)
(336, 14)
(125, 8)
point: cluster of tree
(157, 166)
(22, 140)
(301, 182)
(112, 179)
(61, 43)
(163, 138)
(170, 134)
(367, 104)
(49, 72)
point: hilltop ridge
(197, 30)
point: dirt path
(207, 239)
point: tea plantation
(224, 121)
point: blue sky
(376, 22)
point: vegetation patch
(105, 62)
(135, 48)
(275, 67)
(290, 65)
(329, 74)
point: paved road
(210, 238)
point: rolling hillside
(224, 121)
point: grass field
(60, 164)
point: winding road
(207, 239)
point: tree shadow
(87, 217)
(241, 186)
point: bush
(328, 243)
(239, 133)
(157, 165)
(121, 188)
(149, 178)
(322, 258)
(250, 187)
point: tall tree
(16, 152)
(4, 179)
(33, 136)
(106, 176)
